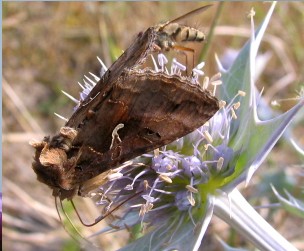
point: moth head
(64, 139)
(52, 165)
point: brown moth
(129, 112)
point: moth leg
(107, 214)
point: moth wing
(155, 109)
(163, 109)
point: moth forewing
(88, 187)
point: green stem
(211, 31)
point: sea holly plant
(167, 198)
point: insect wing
(154, 108)
(132, 57)
(189, 14)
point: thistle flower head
(177, 179)
(176, 187)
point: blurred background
(49, 46)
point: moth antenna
(100, 218)
(70, 221)
(91, 98)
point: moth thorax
(66, 135)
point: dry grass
(48, 46)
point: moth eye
(65, 147)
